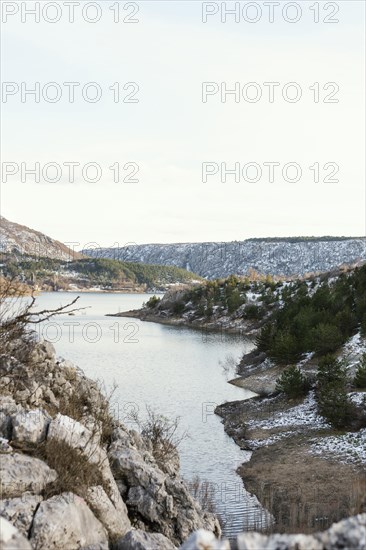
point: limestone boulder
(156, 498)
(78, 436)
(115, 522)
(205, 540)
(20, 473)
(30, 427)
(8, 405)
(11, 538)
(140, 540)
(5, 446)
(74, 434)
(348, 533)
(65, 521)
(20, 511)
(133, 466)
(43, 351)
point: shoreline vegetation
(307, 469)
(214, 327)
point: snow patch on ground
(253, 296)
(354, 349)
(350, 447)
(308, 356)
(257, 443)
(305, 414)
(358, 398)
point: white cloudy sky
(170, 132)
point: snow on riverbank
(349, 448)
(292, 421)
(304, 414)
(257, 443)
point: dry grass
(204, 492)
(75, 473)
(304, 493)
(81, 404)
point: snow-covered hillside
(213, 260)
(21, 240)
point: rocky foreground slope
(72, 477)
(213, 260)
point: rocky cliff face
(215, 260)
(72, 477)
(21, 240)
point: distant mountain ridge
(287, 257)
(21, 240)
(276, 256)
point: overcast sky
(170, 131)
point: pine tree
(293, 383)
(284, 349)
(233, 300)
(333, 401)
(334, 404)
(359, 380)
(331, 370)
(363, 326)
(265, 337)
(326, 338)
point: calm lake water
(176, 371)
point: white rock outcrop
(10, 538)
(20, 511)
(65, 521)
(205, 540)
(20, 473)
(30, 427)
(77, 436)
(115, 521)
(140, 540)
(154, 497)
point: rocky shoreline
(222, 324)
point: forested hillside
(51, 274)
(294, 317)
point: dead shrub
(204, 492)
(75, 472)
(162, 432)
